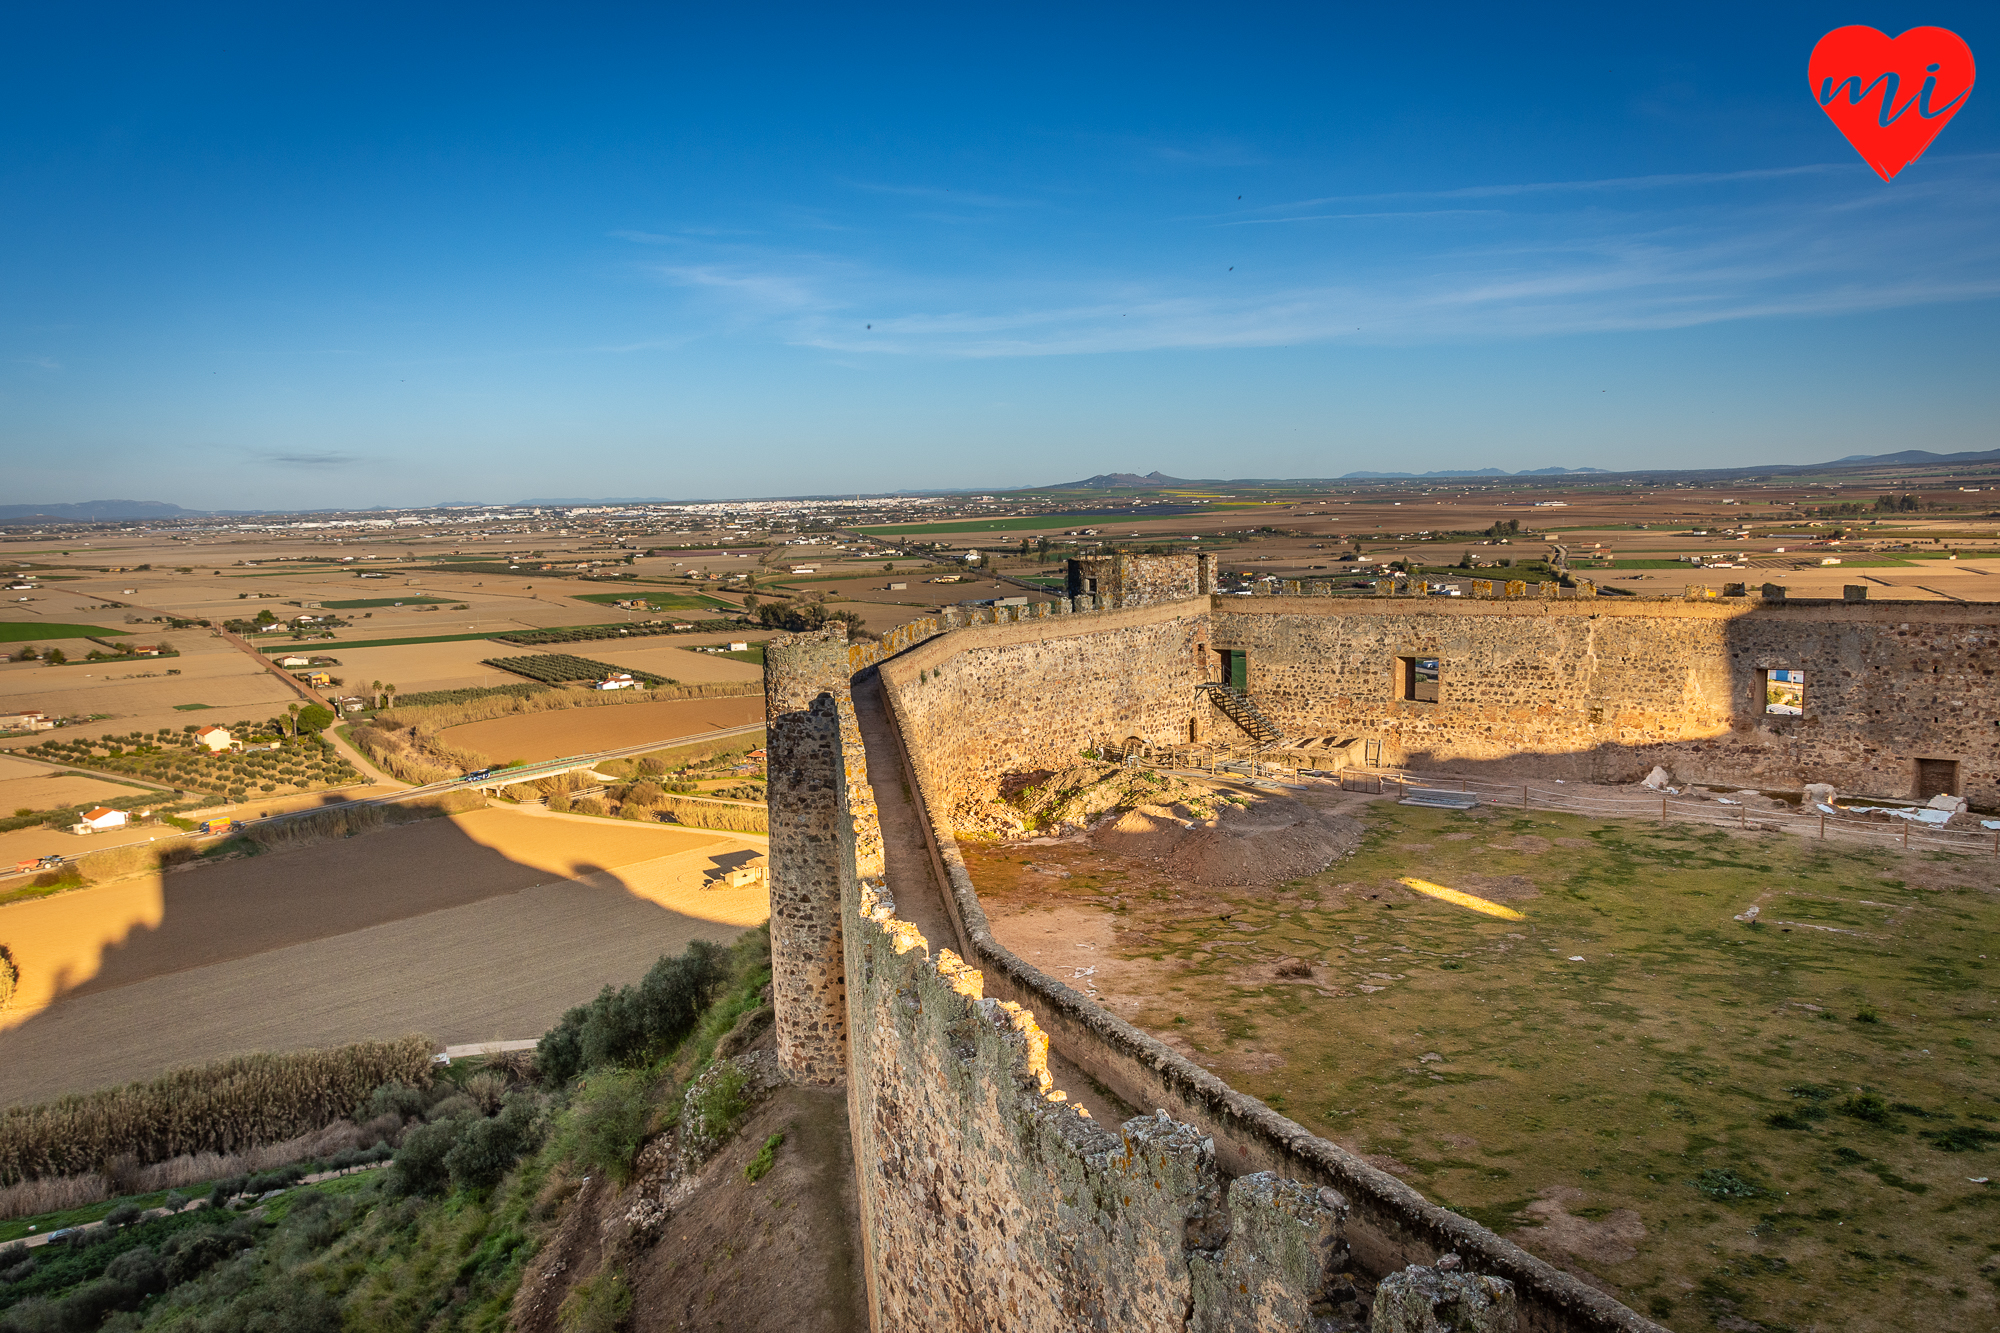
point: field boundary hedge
(221, 1108)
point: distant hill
(1915, 456)
(1477, 472)
(97, 511)
(1110, 481)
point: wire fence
(1667, 808)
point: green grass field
(370, 603)
(31, 631)
(1781, 1123)
(659, 601)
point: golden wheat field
(479, 926)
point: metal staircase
(1239, 708)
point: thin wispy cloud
(1783, 243)
(324, 459)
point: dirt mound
(1262, 840)
(1066, 801)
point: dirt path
(912, 877)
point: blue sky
(353, 256)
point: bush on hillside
(463, 1150)
(633, 1022)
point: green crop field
(370, 603)
(561, 668)
(658, 601)
(29, 631)
(1791, 1125)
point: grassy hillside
(507, 1172)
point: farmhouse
(26, 722)
(215, 738)
(104, 817)
(617, 681)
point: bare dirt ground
(420, 666)
(669, 657)
(45, 793)
(536, 736)
(485, 925)
(1787, 1125)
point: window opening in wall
(1785, 693)
(1417, 679)
(1936, 777)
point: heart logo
(1890, 95)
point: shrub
(419, 1163)
(599, 1305)
(610, 1122)
(720, 1104)
(1722, 1183)
(487, 1149)
(624, 1025)
(767, 1156)
(9, 976)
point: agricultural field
(55, 791)
(371, 603)
(481, 926)
(538, 736)
(33, 631)
(1791, 1124)
(172, 758)
(562, 669)
(417, 667)
(658, 601)
(145, 693)
(674, 660)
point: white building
(620, 681)
(215, 738)
(104, 817)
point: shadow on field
(427, 926)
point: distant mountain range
(1478, 472)
(99, 511)
(110, 511)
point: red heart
(1890, 96)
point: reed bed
(226, 1107)
(347, 821)
(723, 818)
(54, 1194)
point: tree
(56, 657)
(294, 711)
(315, 719)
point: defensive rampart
(1604, 689)
(987, 1200)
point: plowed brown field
(485, 925)
(535, 736)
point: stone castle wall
(993, 1203)
(988, 1200)
(1032, 695)
(1603, 689)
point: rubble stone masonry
(989, 1201)
(1603, 690)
